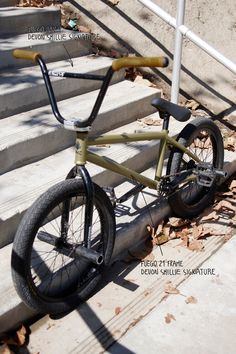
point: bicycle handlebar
(26, 54)
(135, 62)
(81, 124)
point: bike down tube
(113, 166)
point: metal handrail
(182, 30)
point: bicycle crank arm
(70, 250)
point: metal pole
(177, 52)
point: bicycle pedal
(205, 174)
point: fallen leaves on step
(169, 317)
(232, 186)
(155, 121)
(195, 245)
(117, 310)
(229, 140)
(191, 300)
(213, 216)
(160, 235)
(191, 104)
(102, 51)
(141, 81)
(169, 288)
(37, 3)
(225, 205)
(177, 222)
(193, 232)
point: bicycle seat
(182, 114)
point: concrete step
(24, 89)
(16, 20)
(32, 135)
(7, 3)
(62, 45)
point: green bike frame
(82, 154)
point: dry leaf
(228, 237)
(230, 141)
(140, 80)
(177, 222)
(196, 232)
(192, 104)
(195, 245)
(169, 317)
(150, 121)
(212, 216)
(170, 288)
(224, 204)
(117, 310)
(191, 300)
(159, 236)
(83, 29)
(232, 186)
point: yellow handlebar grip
(26, 54)
(134, 62)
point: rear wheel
(203, 138)
(48, 276)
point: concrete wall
(131, 25)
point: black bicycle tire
(27, 231)
(185, 137)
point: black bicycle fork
(85, 250)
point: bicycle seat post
(166, 118)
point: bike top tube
(78, 124)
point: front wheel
(48, 276)
(203, 138)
